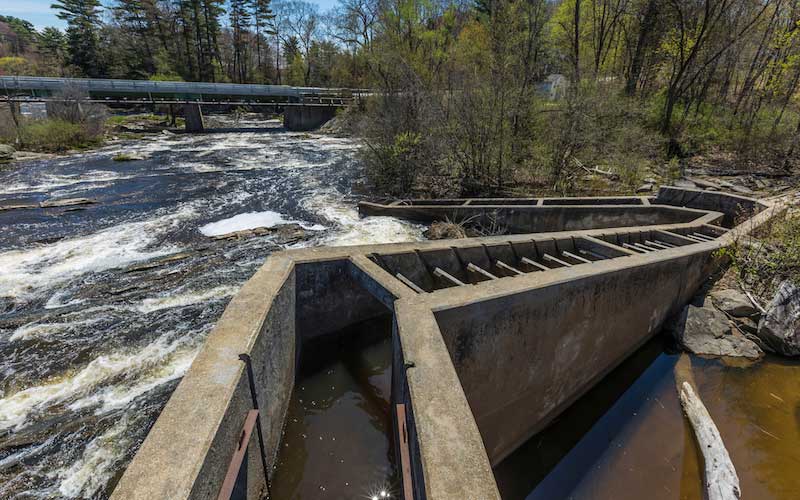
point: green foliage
(13, 65)
(394, 165)
(55, 135)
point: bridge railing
(158, 90)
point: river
(98, 323)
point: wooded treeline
(476, 96)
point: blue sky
(39, 13)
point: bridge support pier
(302, 118)
(194, 117)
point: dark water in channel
(92, 342)
(627, 438)
(338, 437)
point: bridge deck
(41, 89)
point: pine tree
(83, 21)
(53, 46)
(240, 21)
(263, 20)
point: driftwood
(721, 481)
(596, 170)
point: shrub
(55, 135)
(764, 259)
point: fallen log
(721, 480)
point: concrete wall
(734, 207)
(188, 450)
(522, 358)
(539, 219)
(303, 118)
(329, 298)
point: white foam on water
(48, 182)
(30, 270)
(46, 330)
(251, 220)
(86, 382)
(119, 396)
(90, 473)
(352, 230)
(185, 299)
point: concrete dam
(488, 339)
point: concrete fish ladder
(494, 337)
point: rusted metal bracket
(238, 456)
(405, 453)
(252, 382)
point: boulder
(733, 302)
(704, 183)
(706, 331)
(284, 234)
(645, 188)
(780, 327)
(129, 157)
(6, 152)
(741, 190)
(684, 183)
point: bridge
(304, 107)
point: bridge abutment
(302, 118)
(194, 117)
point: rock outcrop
(780, 327)
(706, 331)
(733, 302)
(66, 202)
(6, 152)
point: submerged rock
(780, 327)
(66, 202)
(284, 234)
(160, 262)
(733, 302)
(706, 331)
(129, 157)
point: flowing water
(103, 309)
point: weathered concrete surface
(304, 118)
(780, 327)
(511, 352)
(538, 218)
(736, 208)
(186, 453)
